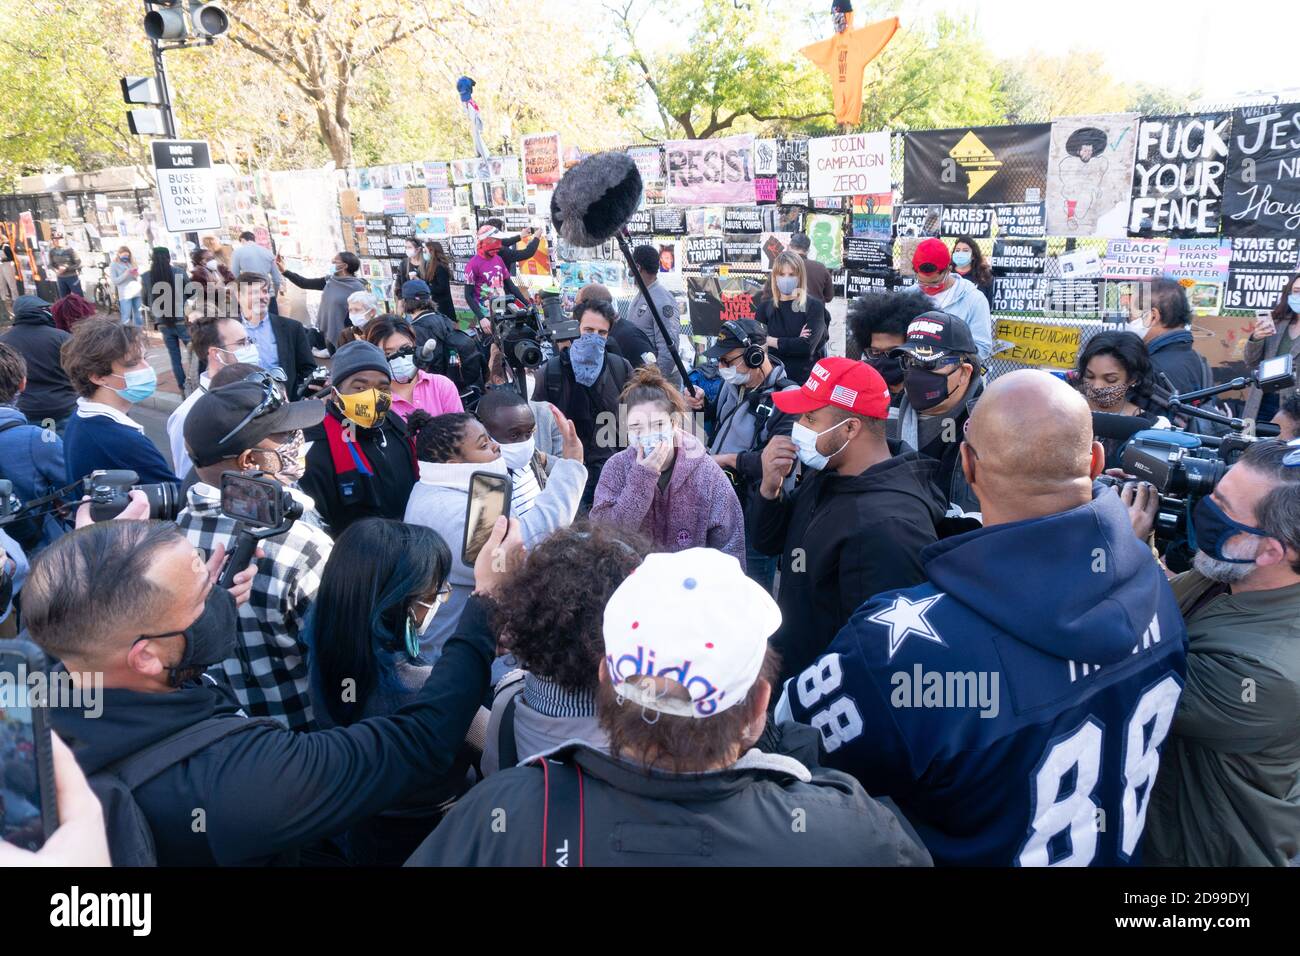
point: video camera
(1184, 467)
(527, 336)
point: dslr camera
(109, 493)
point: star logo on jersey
(905, 618)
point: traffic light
(168, 21)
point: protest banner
(1204, 260)
(827, 235)
(1178, 176)
(1073, 297)
(917, 221)
(436, 175)
(1090, 175)
(773, 244)
(669, 220)
(743, 219)
(765, 157)
(1018, 257)
(792, 171)
(968, 222)
(873, 216)
(1259, 271)
(710, 170)
(706, 220)
(1039, 343)
(1134, 259)
(848, 165)
(1261, 192)
(868, 253)
(1019, 293)
(703, 251)
(742, 249)
(543, 165)
(1021, 220)
(987, 164)
(859, 282)
(765, 189)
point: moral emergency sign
(187, 185)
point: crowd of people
(867, 610)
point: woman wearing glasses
(381, 589)
(413, 389)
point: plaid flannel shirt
(269, 670)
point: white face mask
(359, 319)
(805, 440)
(732, 376)
(245, 354)
(1137, 327)
(403, 368)
(518, 454)
(211, 265)
(428, 616)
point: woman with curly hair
(550, 618)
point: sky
(1185, 44)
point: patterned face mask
(587, 354)
(367, 408)
(1108, 396)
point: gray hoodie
(439, 501)
(967, 302)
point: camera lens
(1200, 475)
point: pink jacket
(697, 509)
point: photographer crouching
(1226, 794)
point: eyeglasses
(877, 353)
(272, 400)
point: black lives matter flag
(984, 164)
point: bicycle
(104, 293)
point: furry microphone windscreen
(596, 198)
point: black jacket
(631, 343)
(945, 447)
(456, 354)
(584, 405)
(267, 791)
(165, 300)
(294, 349)
(440, 288)
(48, 394)
(387, 448)
(798, 354)
(842, 540)
(1172, 353)
(634, 817)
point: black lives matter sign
(187, 185)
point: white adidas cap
(692, 617)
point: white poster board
(849, 165)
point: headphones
(755, 345)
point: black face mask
(890, 369)
(208, 641)
(925, 389)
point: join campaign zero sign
(187, 185)
(849, 165)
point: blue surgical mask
(1209, 528)
(1293, 301)
(961, 259)
(587, 354)
(787, 285)
(140, 384)
(651, 441)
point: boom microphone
(1121, 427)
(592, 203)
(596, 198)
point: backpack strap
(563, 814)
(501, 724)
(9, 426)
(555, 384)
(142, 766)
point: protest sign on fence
(986, 164)
(1090, 174)
(1178, 176)
(710, 170)
(848, 165)
(1261, 193)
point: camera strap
(563, 813)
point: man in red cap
(857, 521)
(952, 293)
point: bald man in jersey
(1014, 706)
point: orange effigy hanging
(846, 54)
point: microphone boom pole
(626, 248)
